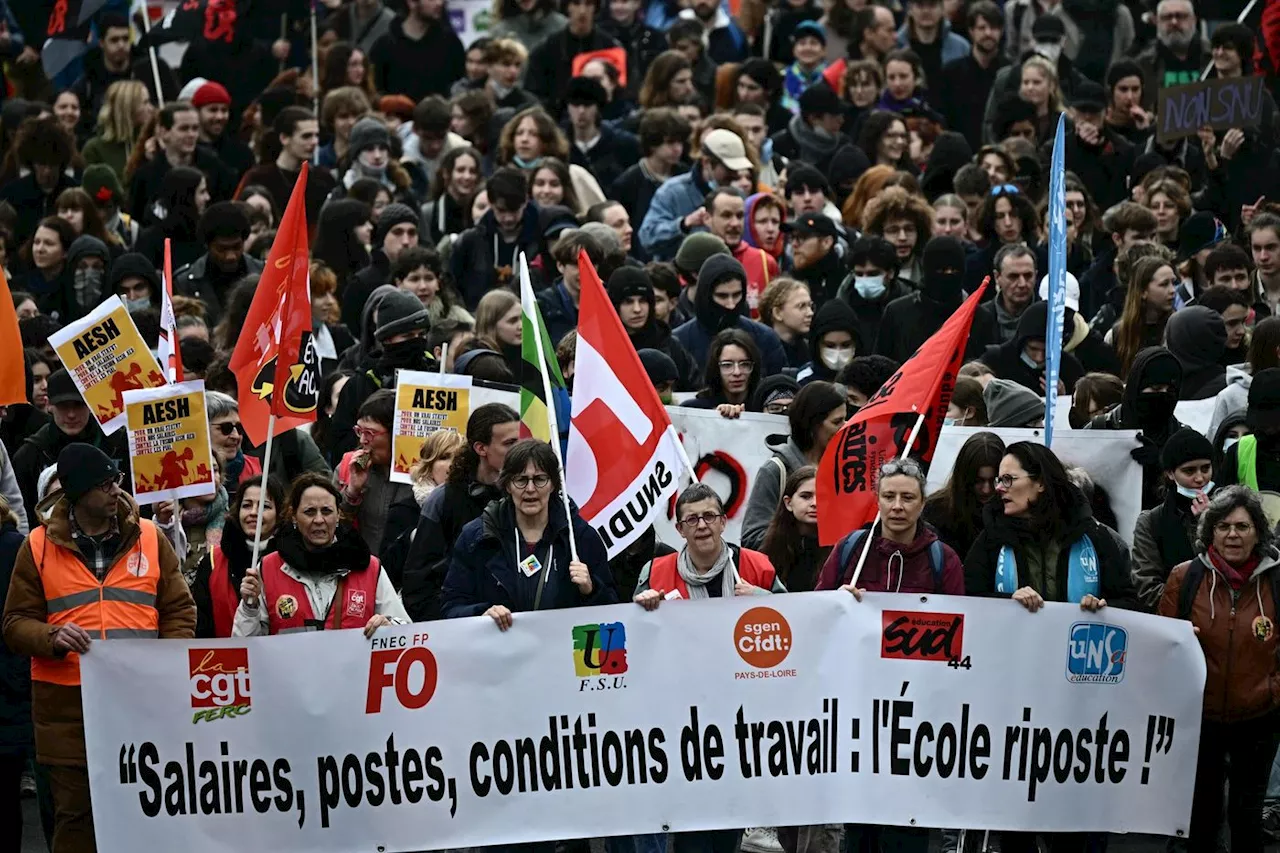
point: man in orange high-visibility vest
(93, 571)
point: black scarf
(238, 549)
(1171, 529)
(347, 553)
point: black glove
(1146, 454)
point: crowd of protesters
(784, 200)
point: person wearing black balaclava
(401, 335)
(1254, 460)
(721, 303)
(631, 292)
(1022, 359)
(911, 320)
(833, 342)
(1197, 337)
(1151, 393)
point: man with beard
(966, 82)
(817, 263)
(1178, 55)
(723, 37)
(814, 135)
(631, 292)
(721, 303)
(1151, 393)
(727, 210)
(213, 102)
(912, 320)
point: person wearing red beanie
(213, 102)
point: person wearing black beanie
(911, 320)
(631, 292)
(395, 231)
(833, 342)
(1165, 535)
(134, 279)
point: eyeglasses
(1007, 189)
(1006, 481)
(524, 481)
(365, 433)
(1244, 528)
(737, 366)
(691, 522)
(107, 485)
(228, 428)
(777, 408)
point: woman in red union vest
(321, 576)
(222, 569)
(707, 566)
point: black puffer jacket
(17, 737)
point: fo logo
(219, 683)
(1096, 653)
(410, 669)
(600, 656)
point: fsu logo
(286, 606)
(301, 391)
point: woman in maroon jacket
(903, 553)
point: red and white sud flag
(624, 458)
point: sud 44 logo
(915, 635)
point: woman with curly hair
(906, 221)
(532, 136)
(1006, 216)
(126, 109)
(470, 114)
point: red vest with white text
(224, 596)
(289, 606)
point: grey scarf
(697, 583)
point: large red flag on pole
(275, 363)
(903, 417)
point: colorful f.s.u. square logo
(600, 649)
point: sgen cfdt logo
(407, 664)
(219, 683)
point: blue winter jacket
(954, 45)
(660, 233)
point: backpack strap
(1191, 585)
(782, 477)
(848, 546)
(936, 561)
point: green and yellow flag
(544, 399)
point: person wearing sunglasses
(382, 510)
(226, 434)
(519, 555)
(94, 572)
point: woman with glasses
(1229, 594)
(816, 414)
(321, 576)
(955, 510)
(382, 510)
(518, 556)
(1040, 541)
(227, 437)
(732, 374)
(902, 554)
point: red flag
(275, 350)
(624, 459)
(13, 377)
(168, 353)
(615, 56)
(834, 75)
(879, 430)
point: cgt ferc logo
(1096, 653)
(219, 683)
(600, 656)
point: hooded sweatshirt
(1197, 337)
(710, 318)
(766, 491)
(86, 286)
(835, 316)
(749, 234)
(1232, 399)
(893, 567)
(912, 320)
(1010, 362)
(812, 145)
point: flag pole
(862, 558)
(315, 67)
(151, 53)
(552, 423)
(262, 490)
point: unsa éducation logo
(600, 656)
(1096, 653)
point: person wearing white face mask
(134, 279)
(833, 342)
(1165, 534)
(873, 284)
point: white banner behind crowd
(1103, 453)
(795, 709)
(726, 453)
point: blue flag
(1057, 279)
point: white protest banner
(170, 452)
(796, 709)
(1103, 453)
(106, 356)
(726, 454)
(425, 402)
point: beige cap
(726, 146)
